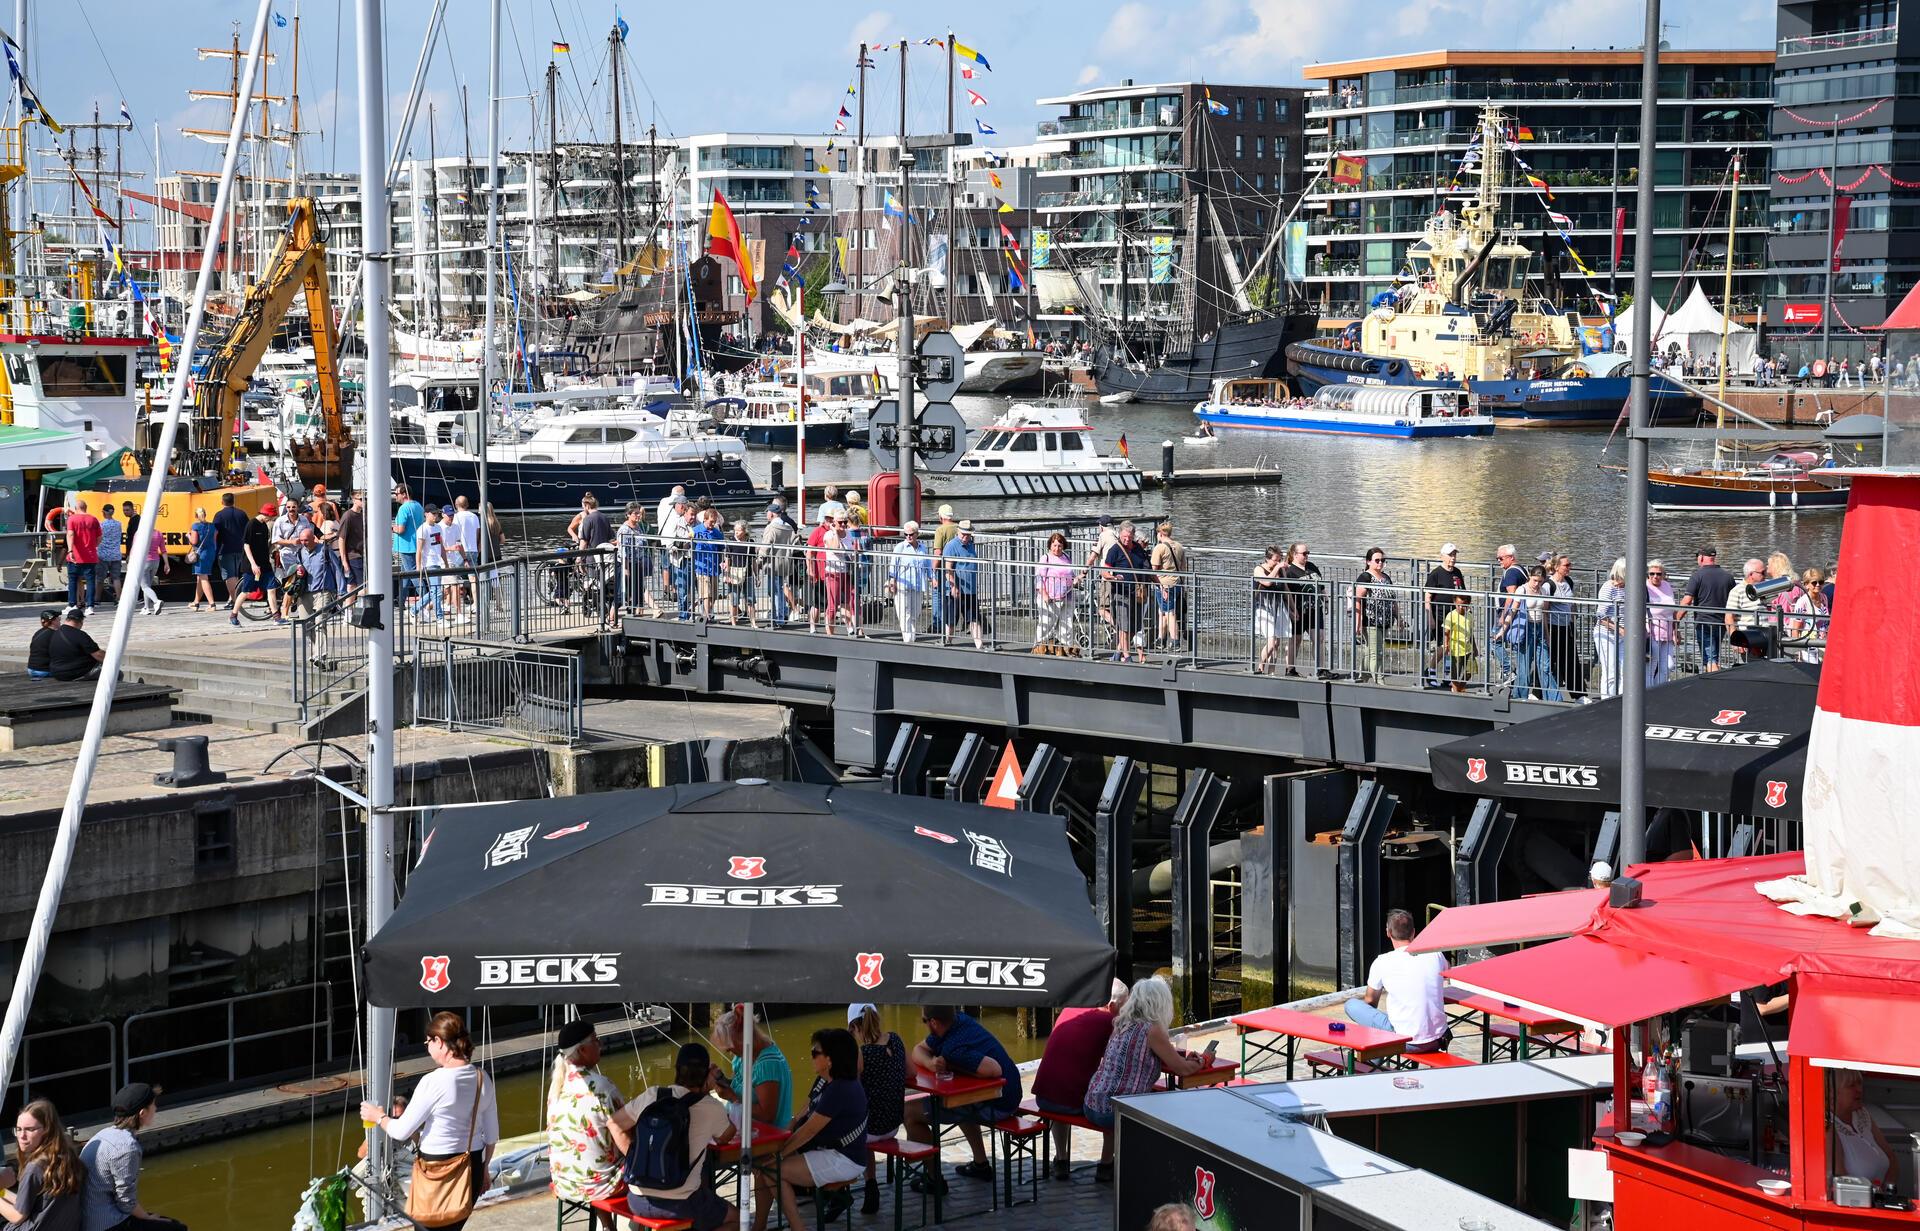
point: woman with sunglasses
(829, 1144)
(47, 1188)
(1661, 624)
(453, 1111)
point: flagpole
(489, 345)
(1633, 638)
(903, 290)
(953, 236)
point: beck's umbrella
(1731, 741)
(774, 892)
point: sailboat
(1783, 479)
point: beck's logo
(935, 834)
(433, 973)
(1729, 718)
(561, 833)
(1776, 793)
(948, 970)
(746, 867)
(1579, 777)
(550, 970)
(1203, 1192)
(866, 969)
(745, 897)
(1476, 769)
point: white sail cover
(1695, 327)
(1863, 858)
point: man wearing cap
(960, 565)
(585, 1153)
(110, 1197)
(676, 537)
(707, 1125)
(1709, 586)
(39, 650)
(909, 577)
(71, 654)
(667, 502)
(775, 558)
(256, 553)
(1125, 567)
(942, 535)
(1444, 580)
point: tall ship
(1466, 320)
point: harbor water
(1539, 489)
(255, 1181)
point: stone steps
(252, 693)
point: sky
(758, 66)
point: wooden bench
(617, 1206)
(1436, 1060)
(1022, 1140)
(1503, 1042)
(905, 1160)
(1032, 1108)
(1333, 1060)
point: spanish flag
(560, 48)
(723, 239)
(1540, 185)
(1347, 170)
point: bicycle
(571, 585)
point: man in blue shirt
(707, 538)
(408, 517)
(961, 564)
(958, 1044)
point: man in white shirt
(1414, 985)
(678, 494)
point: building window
(1279, 108)
(1259, 181)
(1239, 146)
(806, 157)
(867, 239)
(1260, 148)
(1260, 110)
(843, 162)
(1240, 109)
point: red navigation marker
(1005, 791)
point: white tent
(1695, 328)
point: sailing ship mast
(953, 232)
(1726, 307)
(619, 161)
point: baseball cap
(946, 510)
(73, 613)
(270, 509)
(1106, 519)
(856, 1011)
(134, 1098)
(1600, 871)
(50, 613)
(573, 1034)
(1544, 557)
(1449, 549)
(446, 510)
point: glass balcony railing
(1838, 40)
(1520, 91)
(1069, 200)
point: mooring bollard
(1166, 463)
(777, 476)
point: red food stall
(1699, 934)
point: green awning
(86, 478)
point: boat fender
(1393, 368)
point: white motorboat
(1039, 449)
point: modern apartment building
(1846, 140)
(1575, 115)
(1141, 172)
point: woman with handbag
(202, 554)
(453, 1112)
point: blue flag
(985, 128)
(620, 24)
(279, 21)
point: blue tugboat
(1465, 321)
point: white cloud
(1134, 29)
(870, 29)
(1088, 75)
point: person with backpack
(828, 1145)
(666, 1170)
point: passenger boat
(1783, 480)
(616, 453)
(1467, 317)
(1344, 410)
(1003, 371)
(765, 417)
(1039, 449)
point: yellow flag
(840, 242)
(1005, 208)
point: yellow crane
(207, 464)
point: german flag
(560, 48)
(1523, 133)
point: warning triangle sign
(1005, 791)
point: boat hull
(1587, 402)
(1019, 371)
(1736, 494)
(1352, 425)
(1246, 349)
(1036, 484)
(546, 487)
(780, 435)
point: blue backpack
(659, 1157)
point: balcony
(1839, 40)
(1166, 117)
(1557, 90)
(1101, 162)
(1085, 200)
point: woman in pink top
(150, 603)
(1053, 595)
(1660, 624)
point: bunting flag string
(1811, 122)
(1827, 179)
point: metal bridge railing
(497, 688)
(225, 1033)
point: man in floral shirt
(584, 1153)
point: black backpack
(660, 1157)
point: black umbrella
(1730, 741)
(764, 891)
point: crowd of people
(656, 1150)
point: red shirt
(83, 533)
(1072, 1057)
(817, 558)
